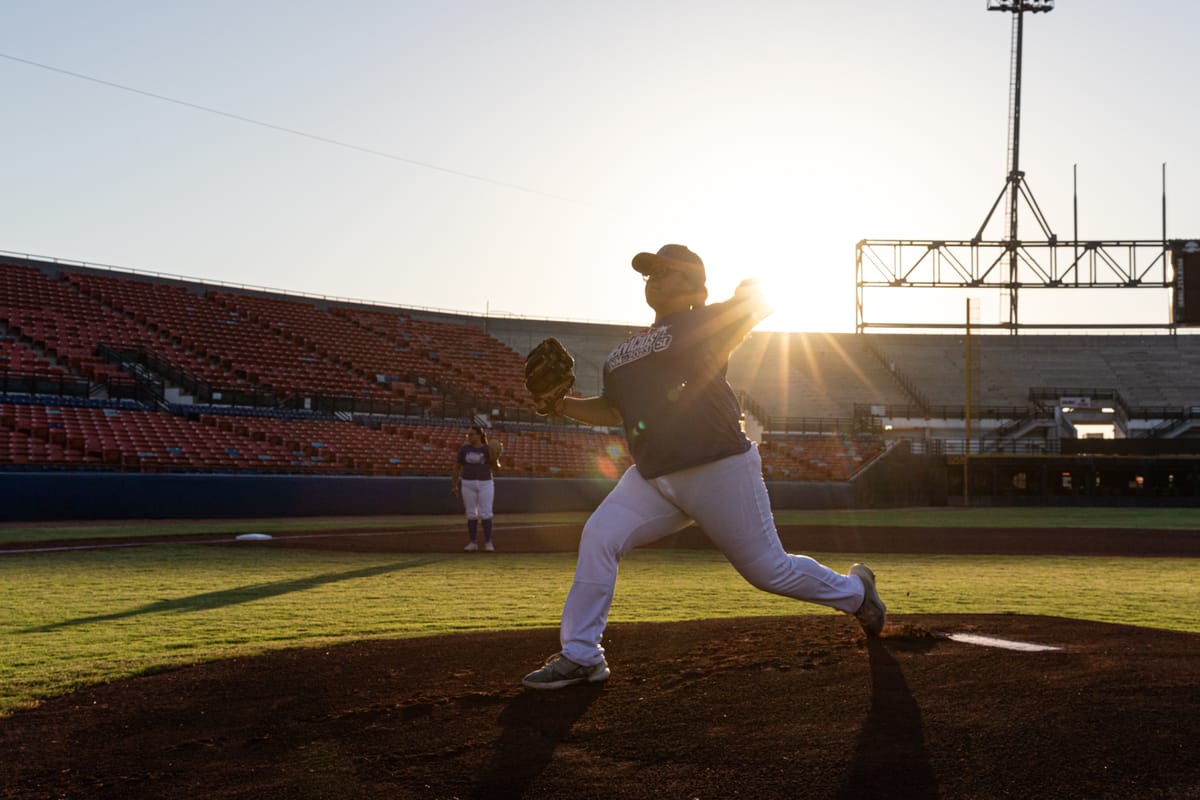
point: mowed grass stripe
(72, 619)
(1053, 517)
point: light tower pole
(1015, 186)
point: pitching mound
(797, 707)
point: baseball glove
(549, 375)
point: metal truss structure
(1011, 267)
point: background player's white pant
(728, 500)
(477, 498)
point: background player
(666, 386)
(473, 466)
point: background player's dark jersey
(476, 462)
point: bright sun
(761, 227)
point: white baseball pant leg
(478, 497)
(729, 501)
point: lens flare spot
(609, 464)
(607, 468)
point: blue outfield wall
(34, 496)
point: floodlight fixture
(1033, 6)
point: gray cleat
(561, 671)
(872, 613)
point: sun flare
(761, 226)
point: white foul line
(1007, 644)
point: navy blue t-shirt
(669, 385)
(476, 462)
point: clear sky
(510, 157)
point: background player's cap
(673, 256)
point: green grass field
(69, 619)
(1054, 517)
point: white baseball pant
(478, 497)
(728, 500)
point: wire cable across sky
(284, 129)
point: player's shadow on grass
(235, 596)
(534, 724)
(891, 758)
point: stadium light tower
(1014, 184)
(884, 264)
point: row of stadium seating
(151, 441)
(246, 345)
(94, 332)
(818, 458)
(17, 358)
(828, 375)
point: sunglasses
(663, 272)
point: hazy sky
(510, 157)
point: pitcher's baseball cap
(671, 256)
